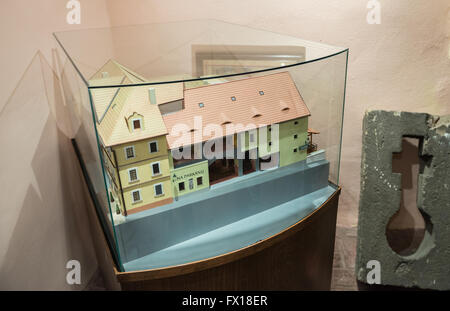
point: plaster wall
(44, 223)
(190, 172)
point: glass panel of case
(200, 138)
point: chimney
(152, 95)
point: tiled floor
(345, 246)
(96, 283)
(344, 260)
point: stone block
(429, 266)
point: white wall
(43, 223)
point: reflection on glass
(207, 139)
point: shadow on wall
(44, 221)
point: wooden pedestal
(298, 258)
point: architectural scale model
(143, 130)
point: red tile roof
(281, 102)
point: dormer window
(136, 124)
(255, 112)
(225, 119)
(284, 106)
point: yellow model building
(132, 134)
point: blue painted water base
(229, 216)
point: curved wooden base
(298, 258)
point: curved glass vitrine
(200, 138)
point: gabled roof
(114, 106)
(259, 100)
(114, 127)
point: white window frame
(251, 137)
(159, 166)
(129, 175)
(150, 148)
(140, 122)
(162, 189)
(132, 196)
(126, 155)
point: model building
(154, 137)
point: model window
(270, 143)
(153, 147)
(136, 196)
(159, 189)
(181, 186)
(191, 184)
(233, 98)
(136, 124)
(296, 122)
(132, 173)
(261, 92)
(156, 169)
(295, 136)
(199, 181)
(129, 151)
(252, 138)
(295, 150)
(201, 105)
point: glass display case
(201, 138)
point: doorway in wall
(221, 170)
(248, 164)
(269, 162)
